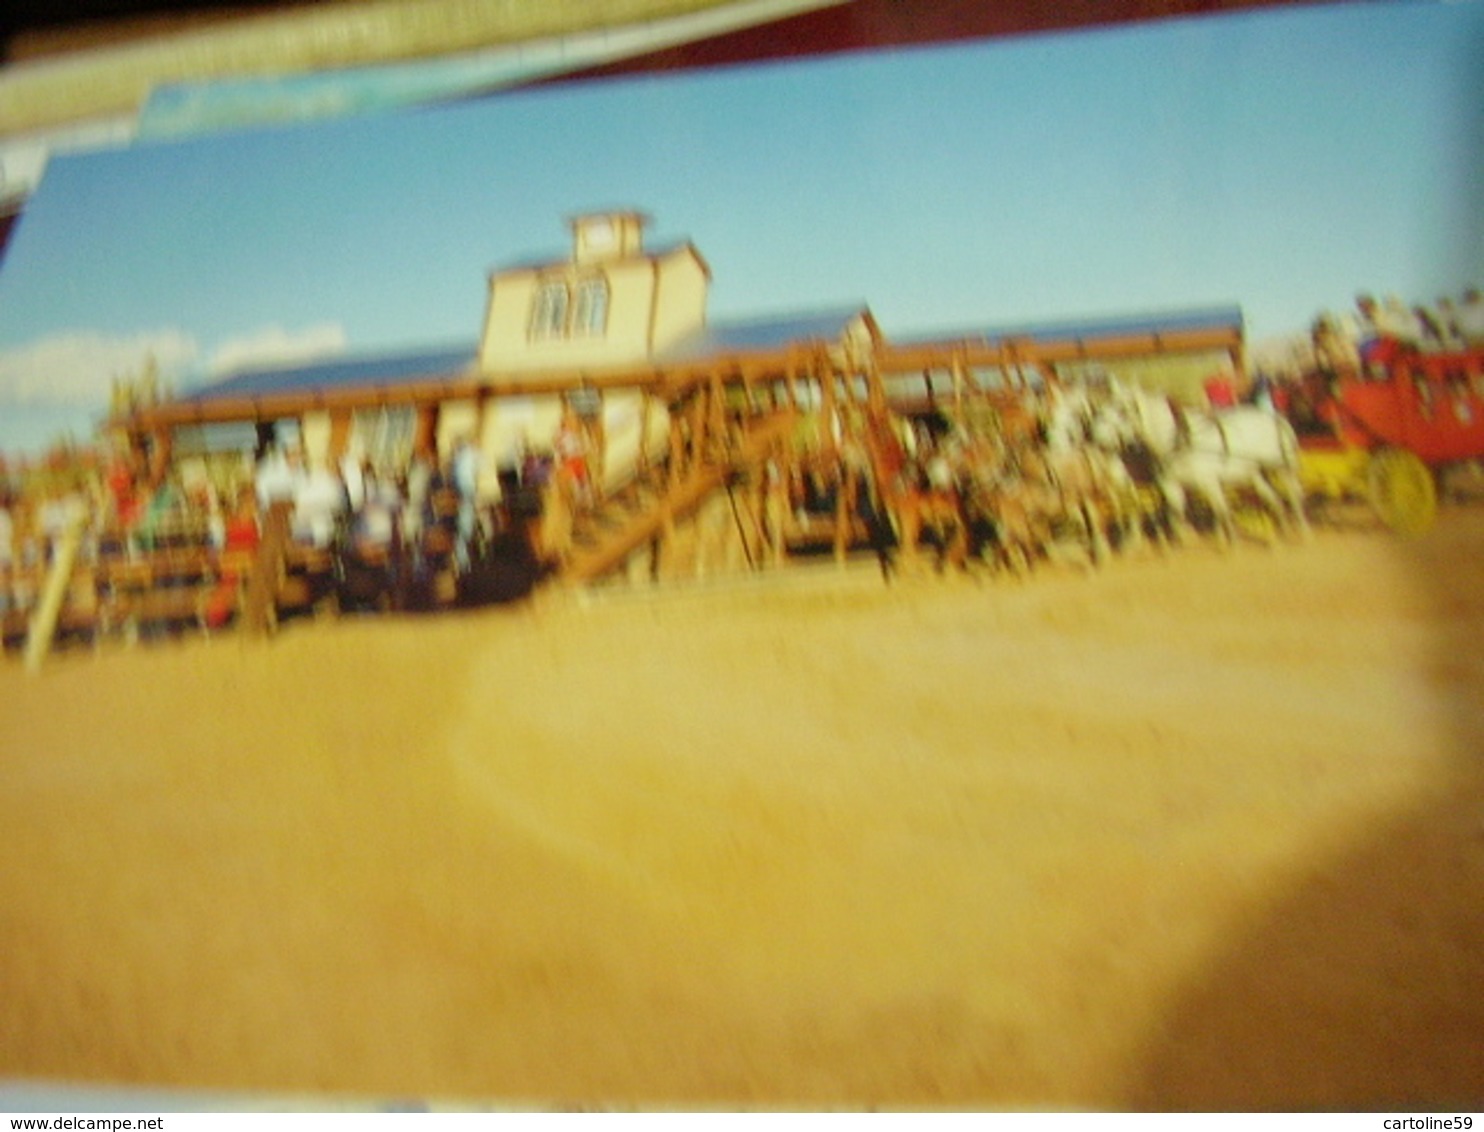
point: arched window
(549, 315)
(590, 311)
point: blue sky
(1279, 160)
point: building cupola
(598, 236)
(609, 301)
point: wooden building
(619, 333)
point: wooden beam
(676, 381)
(1013, 352)
(670, 381)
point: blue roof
(436, 364)
(343, 373)
(1171, 322)
(439, 364)
(765, 333)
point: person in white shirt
(1395, 320)
(1335, 345)
(318, 505)
(277, 476)
(465, 471)
(376, 518)
(353, 475)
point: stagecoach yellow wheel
(1402, 491)
(1256, 522)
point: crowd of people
(1379, 329)
(1365, 342)
(394, 533)
(387, 531)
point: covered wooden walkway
(748, 419)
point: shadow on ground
(1362, 987)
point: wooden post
(159, 455)
(425, 433)
(43, 626)
(340, 422)
(696, 441)
(664, 547)
(844, 508)
(958, 385)
(137, 452)
(825, 374)
(875, 387)
(716, 426)
(1008, 366)
(700, 434)
(260, 610)
(676, 444)
(646, 405)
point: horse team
(1088, 468)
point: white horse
(1111, 497)
(1214, 455)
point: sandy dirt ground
(1202, 832)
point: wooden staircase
(641, 511)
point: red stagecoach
(1395, 426)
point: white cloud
(78, 368)
(274, 346)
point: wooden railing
(116, 594)
(125, 592)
